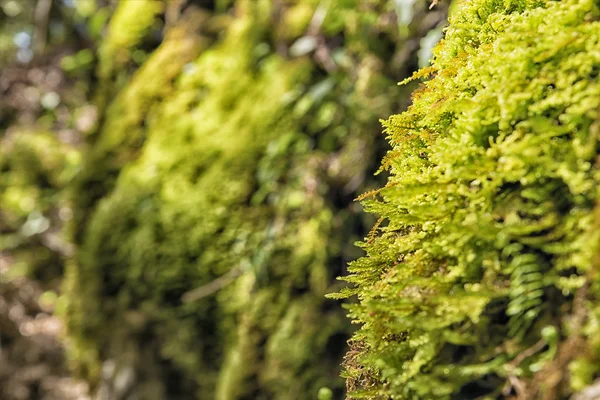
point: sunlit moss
(129, 25)
(482, 280)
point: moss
(212, 210)
(129, 25)
(122, 132)
(481, 281)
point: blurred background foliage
(177, 181)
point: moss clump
(212, 210)
(482, 279)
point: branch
(212, 287)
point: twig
(172, 13)
(591, 392)
(317, 20)
(54, 242)
(212, 287)
(527, 353)
(514, 381)
(322, 54)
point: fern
(526, 292)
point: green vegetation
(481, 280)
(214, 207)
(35, 168)
(177, 178)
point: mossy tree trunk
(215, 206)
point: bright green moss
(122, 132)
(482, 281)
(129, 25)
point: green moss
(482, 280)
(129, 25)
(123, 130)
(212, 210)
